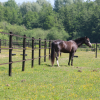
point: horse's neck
(79, 43)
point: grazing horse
(67, 47)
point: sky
(21, 1)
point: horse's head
(87, 41)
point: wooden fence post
(94, 47)
(24, 45)
(49, 47)
(28, 44)
(32, 52)
(96, 51)
(5, 42)
(45, 50)
(35, 44)
(10, 54)
(39, 51)
(0, 45)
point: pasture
(43, 82)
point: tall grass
(43, 82)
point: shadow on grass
(48, 65)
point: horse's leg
(72, 58)
(69, 58)
(57, 59)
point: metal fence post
(39, 51)
(10, 54)
(32, 52)
(45, 50)
(0, 45)
(24, 45)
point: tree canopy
(67, 19)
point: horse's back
(69, 46)
(64, 46)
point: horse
(67, 47)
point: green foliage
(1, 12)
(49, 22)
(42, 2)
(25, 7)
(36, 33)
(36, 7)
(46, 17)
(3, 37)
(61, 3)
(56, 34)
(97, 2)
(3, 26)
(31, 20)
(16, 29)
(11, 4)
(28, 6)
(77, 17)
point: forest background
(67, 19)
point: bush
(56, 34)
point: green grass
(43, 82)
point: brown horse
(67, 47)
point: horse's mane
(79, 39)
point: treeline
(68, 19)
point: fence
(42, 45)
(32, 42)
(95, 47)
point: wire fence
(32, 42)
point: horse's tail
(52, 53)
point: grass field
(43, 82)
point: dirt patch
(3, 56)
(79, 71)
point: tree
(49, 22)
(98, 2)
(1, 12)
(19, 18)
(46, 17)
(56, 34)
(28, 6)
(43, 2)
(31, 20)
(36, 7)
(78, 1)
(11, 4)
(25, 7)
(60, 3)
(7, 14)
(14, 16)
(68, 2)
(12, 13)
